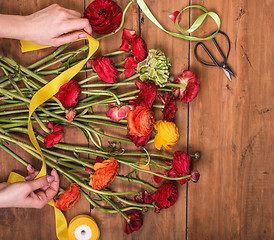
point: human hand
(54, 26)
(30, 194)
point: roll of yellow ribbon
(83, 227)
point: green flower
(155, 67)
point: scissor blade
(227, 74)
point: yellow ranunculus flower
(167, 134)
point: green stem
(115, 207)
(134, 203)
(49, 57)
(19, 159)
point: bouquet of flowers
(145, 74)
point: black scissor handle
(209, 54)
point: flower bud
(197, 156)
(195, 176)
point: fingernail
(30, 167)
(82, 35)
(27, 178)
(50, 179)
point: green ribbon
(194, 26)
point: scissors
(223, 65)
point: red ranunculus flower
(147, 93)
(69, 94)
(166, 195)
(135, 223)
(118, 113)
(140, 121)
(130, 65)
(104, 16)
(170, 108)
(139, 48)
(127, 40)
(105, 69)
(139, 141)
(55, 136)
(135, 44)
(190, 86)
(145, 197)
(182, 165)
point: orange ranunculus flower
(140, 121)
(168, 134)
(105, 173)
(69, 198)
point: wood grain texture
(230, 122)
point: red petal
(157, 179)
(174, 15)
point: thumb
(69, 37)
(41, 182)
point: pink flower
(71, 115)
(69, 94)
(174, 15)
(55, 136)
(118, 113)
(190, 86)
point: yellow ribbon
(83, 227)
(39, 98)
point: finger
(32, 176)
(54, 186)
(76, 24)
(30, 169)
(41, 182)
(69, 37)
(41, 196)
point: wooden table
(231, 123)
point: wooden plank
(32, 223)
(232, 124)
(170, 223)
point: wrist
(14, 26)
(4, 199)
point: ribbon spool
(83, 227)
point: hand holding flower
(52, 26)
